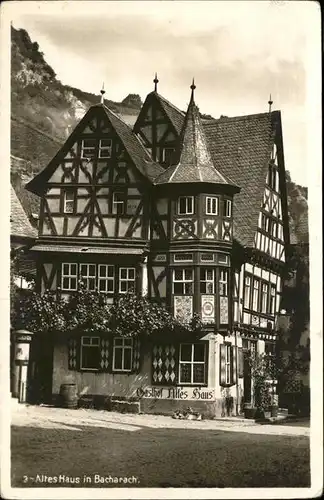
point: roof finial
(155, 81)
(192, 86)
(102, 92)
(270, 102)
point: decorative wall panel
(223, 309)
(183, 308)
(164, 364)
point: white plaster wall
(97, 383)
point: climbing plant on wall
(90, 312)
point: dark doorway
(249, 347)
(40, 370)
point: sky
(238, 52)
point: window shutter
(136, 355)
(233, 364)
(74, 354)
(222, 355)
(240, 362)
(105, 355)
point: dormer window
(211, 205)
(185, 205)
(88, 148)
(68, 201)
(105, 147)
(119, 203)
(227, 208)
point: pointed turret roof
(195, 162)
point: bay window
(185, 205)
(211, 205)
(207, 280)
(227, 208)
(223, 282)
(183, 281)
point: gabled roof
(174, 114)
(240, 148)
(134, 147)
(19, 223)
(195, 163)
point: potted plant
(261, 373)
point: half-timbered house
(191, 213)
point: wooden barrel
(69, 396)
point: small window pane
(199, 374)
(73, 283)
(188, 274)
(131, 273)
(66, 283)
(178, 274)
(118, 358)
(188, 288)
(185, 373)
(209, 274)
(102, 271)
(186, 352)
(178, 288)
(123, 273)
(128, 342)
(127, 359)
(199, 352)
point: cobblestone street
(88, 448)
(59, 418)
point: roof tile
(19, 223)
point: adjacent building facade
(191, 213)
